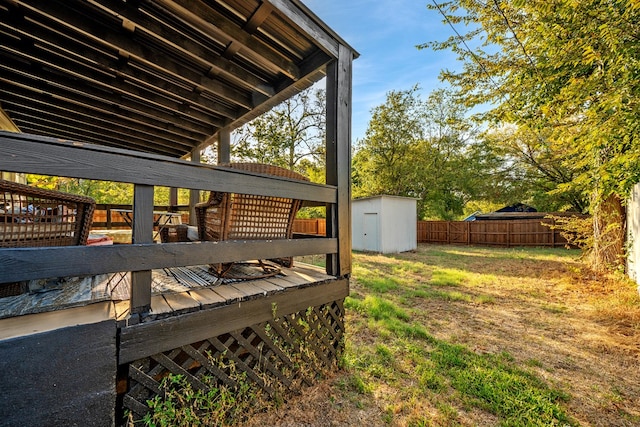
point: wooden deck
(174, 291)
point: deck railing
(47, 156)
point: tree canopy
(422, 149)
(291, 135)
(563, 70)
(565, 74)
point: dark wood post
(109, 220)
(142, 233)
(339, 75)
(173, 199)
(194, 195)
(224, 146)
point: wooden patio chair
(233, 216)
(35, 217)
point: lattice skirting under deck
(278, 357)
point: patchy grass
(467, 336)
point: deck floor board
(173, 290)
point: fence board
(492, 233)
(310, 226)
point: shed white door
(370, 227)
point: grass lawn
(469, 336)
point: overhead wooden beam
(307, 25)
(84, 77)
(258, 17)
(212, 61)
(210, 21)
(89, 132)
(124, 124)
(27, 77)
(123, 66)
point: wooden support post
(142, 233)
(173, 199)
(339, 76)
(224, 146)
(194, 195)
(109, 219)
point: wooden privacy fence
(528, 232)
(103, 217)
(310, 226)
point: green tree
(567, 70)
(535, 172)
(380, 164)
(291, 135)
(421, 149)
(100, 191)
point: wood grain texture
(18, 264)
(176, 331)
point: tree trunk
(609, 226)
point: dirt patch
(577, 332)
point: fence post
(553, 232)
(467, 232)
(509, 234)
(108, 210)
(448, 232)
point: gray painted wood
(308, 25)
(267, 286)
(35, 263)
(229, 293)
(48, 156)
(135, 342)
(64, 377)
(206, 297)
(248, 288)
(339, 75)
(142, 233)
(224, 146)
(194, 195)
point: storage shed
(386, 224)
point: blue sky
(385, 33)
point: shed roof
(160, 76)
(384, 196)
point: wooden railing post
(108, 211)
(338, 160)
(142, 233)
(194, 195)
